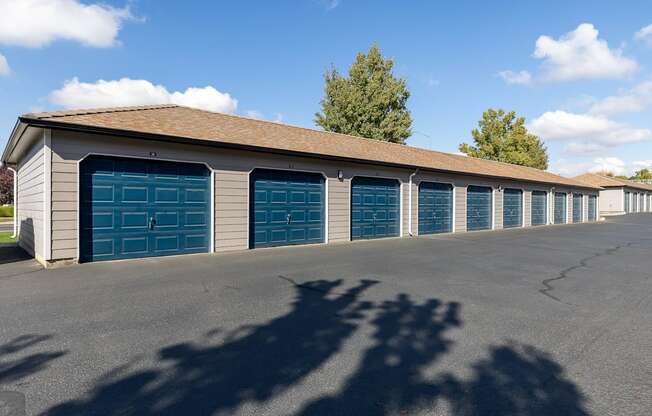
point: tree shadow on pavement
(516, 379)
(395, 375)
(252, 365)
(408, 337)
(13, 369)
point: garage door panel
(131, 194)
(288, 208)
(374, 208)
(133, 220)
(166, 219)
(435, 208)
(138, 196)
(134, 245)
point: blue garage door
(627, 198)
(374, 208)
(133, 208)
(577, 208)
(560, 208)
(478, 208)
(286, 208)
(512, 208)
(539, 206)
(435, 208)
(593, 202)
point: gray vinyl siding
(30, 179)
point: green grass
(6, 238)
(7, 211)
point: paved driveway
(552, 321)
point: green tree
(643, 174)
(370, 102)
(503, 137)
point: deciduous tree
(502, 136)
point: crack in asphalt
(582, 264)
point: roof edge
(45, 123)
(14, 137)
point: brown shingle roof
(189, 123)
(610, 182)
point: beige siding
(31, 199)
(498, 210)
(338, 210)
(231, 213)
(527, 208)
(231, 170)
(460, 209)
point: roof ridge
(99, 110)
(368, 139)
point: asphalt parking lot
(548, 321)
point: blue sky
(581, 72)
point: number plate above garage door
(132, 208)
(286, 208)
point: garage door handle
(289, 218)
(152, 223)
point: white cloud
(580, 54)
(126, 92)
(255, 114)
(330, 4)
(608, 164)
(633, 100)
(37, 23)
(639, 164)
(4, 66)
(645, 34)
(598, 164)
(583, 149)
(586, 128)
(520, 78)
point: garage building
(121, 183)
(619, 196)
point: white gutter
(410, 202)
(14, 201)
